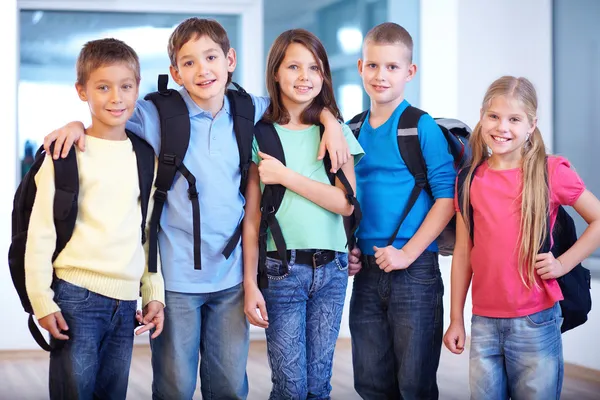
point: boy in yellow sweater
(87, 297)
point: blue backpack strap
(269, 142)
(242, 110)
(175, 138)
(352, 222)
(144, 154)
(410, 151)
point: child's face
(505, 128)
(111, 92)
(202, 68)
(385, 69)
(299, 76)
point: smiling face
(505, 128)
(385, 69)
(299, 76)
(111, 92)
(203, 68)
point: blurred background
(461, 46)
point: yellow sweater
(105, 254)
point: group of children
(199, 317)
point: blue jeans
(520, 358)
(95, 361)
(209, 329)
(305, 307)
(396, 322)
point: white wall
(465, 45)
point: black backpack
(457, 135)
(66, 181)
(577, 284)
(269, 142)
(174, 140)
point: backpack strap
(66, 182)
(175, 138)
(356, 123)
(461, 179)
(350, 223)
(242, 109)
(269, 142)
(144, 154)
(410, 151)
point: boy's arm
(41, 243)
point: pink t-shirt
(498, 290)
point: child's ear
(231, 60)
(81, 92)
(175, 74)
(533, 126)
(360, 66)
(412, 71)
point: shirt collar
(195, 110)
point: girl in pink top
(516, 347)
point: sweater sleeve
(153, 287)
(41, 243)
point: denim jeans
(520, 358)
(396, 322)
(95, 361)
(209, 329)
(305, 307)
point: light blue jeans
(305, 307)
(517, 358)
(211, 327)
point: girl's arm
(461, 274)
(588, 206)
(333, 141)
(253, 298)
(331, 198)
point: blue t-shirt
(213, 158)
(384, 182)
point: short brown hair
(276, 113)
(102, 52)
(194, 28)
(390, 33)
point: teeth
(499, 139)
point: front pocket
(542, 318)
(69, 293)
(342, 261)
(276, 270)
(423, 271)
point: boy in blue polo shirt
(396, 307)
(205, 322)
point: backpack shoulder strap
(144, 154)
(461, 179)
(356, 123)
(242, 110)
(410, 151)
(66, 182)
(174, 141)
(269, 142)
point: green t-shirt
(304, 224)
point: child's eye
(293, 66)
(188, 63)
(515, 119)
(211, 58)
(314, 68)
(103, 88)
(493, 116)
(393, 67)
(372, 66)
(128, 86)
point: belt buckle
(314, 259)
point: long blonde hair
(534, 192)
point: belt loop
(292, 259)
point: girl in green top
(301, 308)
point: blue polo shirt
(384, 182)
(213, 158)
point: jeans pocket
(342, 261)
(425, 269)
(542, 318)
(68, 293)
(276, 270)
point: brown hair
(193, 29)
(102, 52)
(390, 33)
(534, 193)
(276, 113)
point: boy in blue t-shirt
(396, 309)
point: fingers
(144, 328)
(334, 162)
(149, 315)
(253, 317)
(81, 143)
(322, 150)
(139, 317)
(62, 324)
(343, 156)
(354, 269)
(52, 327)
(48, 140)
(356, 252)
(159, 322)
(58, 144)
(263, 312)
(460, 343)
(264, 156)
(66, 147)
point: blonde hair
(390, 33)
(534, 192)
(102, 52)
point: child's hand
(253, 299)
(390, 259)
(333, 141)
(55, 323)
(548, 267)
(354, 263)
(71, 133)
(153, 316)
(271, 170)
(454, 339)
